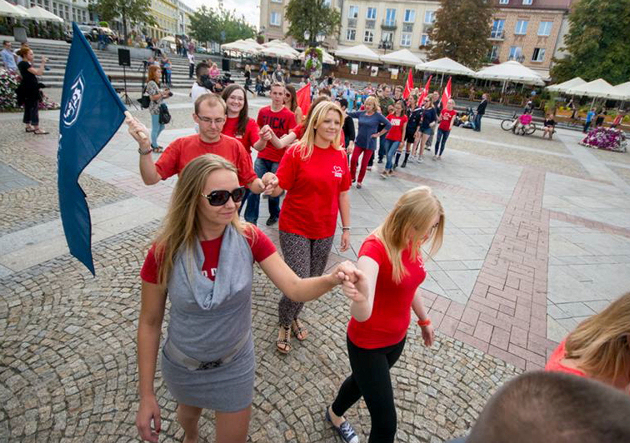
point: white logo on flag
(73, 107)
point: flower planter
(607, 139)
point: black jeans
(31, 111)
(440, 142)
(370, 378)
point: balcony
(388, 25)
(370, 24)
(518, 58)
(352, 23)
(497, 35)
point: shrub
(9, 82)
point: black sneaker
(272, 221)
(345, 431)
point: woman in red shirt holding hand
(447, 118)
(394, 137)
(390, 271)
(315, 174)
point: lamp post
(313, 40)
(385, 45)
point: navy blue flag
(91, 113)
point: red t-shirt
(299, 133)
(447, 117)
(247, 139)
(555, 362)
(313, 186)
(395, 133)
(281, 123)
(185, 149)
(261, 248)
(391, 313)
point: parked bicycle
(514, 124)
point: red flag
(446, 95)
(408, 85)
(425, 91)
(304, 98)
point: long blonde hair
(414, 211)
(306, 145)
(181, 223)
(602, 342)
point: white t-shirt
(197, 91)
(191, 58)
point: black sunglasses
(219, 198)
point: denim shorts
(427, 131)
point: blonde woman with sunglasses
(390, 270)
(202, 260)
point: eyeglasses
(219, 198)
(217, 121)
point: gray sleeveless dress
(207, 321)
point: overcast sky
(249, 8)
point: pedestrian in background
(481, 110)
(28, 92)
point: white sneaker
(420, 160)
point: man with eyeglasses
(280, 120)
(210, 115)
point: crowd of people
(203, 256)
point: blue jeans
(478, 122)
(168, 77)
(442, 136)
(156, 128)
(382, 152)
(262, 166)
(391, 147)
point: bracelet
(345, 228)
(148, 151)
(423, 323)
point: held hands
(270, 181)
(148, 410)
(138, 131)
(353, 281)
(265, 133)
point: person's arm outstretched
(362, 290)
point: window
(544, 28)
(504, 2)
(527, 2)
(410, 16)
(407, 27)
(494, 53)
(515, 52)
(369, 24)
(405, 40)
(521, 27)
(429, 17)
(351, 34)
(424, 40)
(276, 1)
(327, 3)
(538, 55)
(390, 17)
(497, 29)
(368, 37)
(353, 12)
(371, 14)
(274, 20)
(387, 36)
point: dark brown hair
(243, 116)
(293, 104)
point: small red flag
(425, 91)
(446, 95)
(304, 98)
(408, 85)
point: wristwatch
(345, 228)
(148, 151)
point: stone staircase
(57, 54)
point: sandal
(158, 150)
(300, 332)
(29, 130)
(40, 132)
(283, 344)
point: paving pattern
(537, 238)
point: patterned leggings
(307, 258)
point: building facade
(69, 10)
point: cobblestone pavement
(537, 238)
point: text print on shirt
(337, 171)
(213, 271)
(274, 122)
(396, 121)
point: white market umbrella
(40, 14)
(252, 43)
(404, 57)
(445, 65)
(278, 44)
(359, 53)
(599, 88)
(563, 87)
(277, 52)
(328, 59)
(511, 71)
(169, 39)
(239, 46)
(623, 90)
(9, 10)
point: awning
(563, 87)
(511, 71)
(599, 88)
(445, 65)
(359, 53)
(404, 57)
(9, 10)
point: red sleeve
(168, 163)
(244, 165)
(373, 248)
(346, 181)
(262, 247)
(149, 271)
(404, 119)
(290, 120)
(259, 119)
(287, 171)
(252, 130)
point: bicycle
(511, 124)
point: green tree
(134, 12)
(219, 25)
(461, 31)
(314, 16)
(598, 42)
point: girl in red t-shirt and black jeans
(447, 117)
(390, 271)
